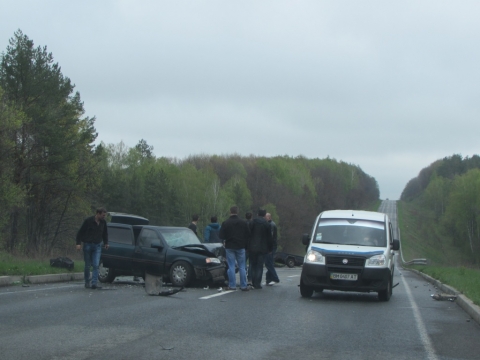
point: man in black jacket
(271, 275)
(260, 244)
(193, 225)
(234, 231)
(92, 232)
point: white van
(349, 250)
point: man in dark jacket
(234, 231)
(92, 232)
(271, 275)
(193, 225)
(248, 219)
(210, 234)
(260, 244)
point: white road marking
(293, 276)
(39, 289)
(217, 294)
(427, 344)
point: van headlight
(314, 257)
(375, 261)
(212, 261)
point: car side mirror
(396, 244)
(305, 239)
(156, 244)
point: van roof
(353, 214)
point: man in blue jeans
(92, 232)
(234, 231)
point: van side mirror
(396, 244)
(156, 244)
(305, 239)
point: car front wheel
(290, 262)
(181, 273)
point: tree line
(450, 189)
(52, 174)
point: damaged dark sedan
(172, 252)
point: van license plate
(349, 277)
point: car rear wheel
(105, 274)
(305, 291)
(291, 262)
(181, 273)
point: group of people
(249, 239)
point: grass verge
(11, 266)
(465, 280)
(422, 237)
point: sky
(388, 86)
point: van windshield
(351, 232)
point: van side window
(391, 232)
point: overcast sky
(388, 86)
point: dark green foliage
(294, 190)
(51, 152)
(450, 190)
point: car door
(119, 254)
(147, 259)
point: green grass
(465, 280)
(421, 237)
(22, 266)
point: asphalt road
(67, 321)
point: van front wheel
(305, 291)
(385, 295)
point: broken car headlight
(212, 260)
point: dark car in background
(290, 260)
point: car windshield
(350, 232)
(179, 237)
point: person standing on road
(271, 277)
(248, 220)
(92, 232)
(234, 231)
(260, 244)
(210, 234)
(193, 224)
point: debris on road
(442, 296)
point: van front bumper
(368, 279)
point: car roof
(165, 227)
(129, 219)
(353, 214)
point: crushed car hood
(207, 249)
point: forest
(54, 173)
(449, 190)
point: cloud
(390, 87)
